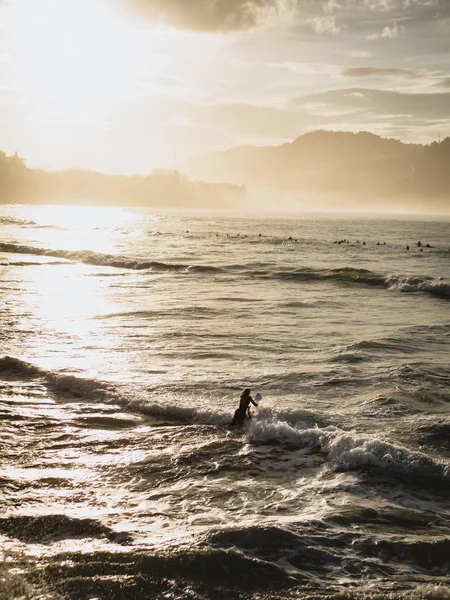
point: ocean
(126, 338)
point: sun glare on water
(71, 297)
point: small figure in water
(244, 409)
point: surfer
(244, 409)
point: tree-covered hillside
(18, 184)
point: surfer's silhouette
(243, 411)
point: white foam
(173, 411)
(415, 284)
(348, 450)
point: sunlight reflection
(65, 302)
(70, 300)
(35, 474)
(82, 217)
(82, 227)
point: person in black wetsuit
(244, 409)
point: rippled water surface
(126, 337)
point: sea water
(127, 336)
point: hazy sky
(133, 85)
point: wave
(416, 284)
(29, 263)
(408, 341)
(94, 389)
(437, 435)
(354, 276)
(428, 555)
(65, 385)
(25, 223)
(347, 450)
(191, 312)
(47, 529)
(107, 260)
(183, 414)
(344, 276)
(316, 552)
(193, 573)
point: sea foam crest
(107, 260)
(14, 221)
(61, 383)
(186, 414)
(348, 450)
(416, 284)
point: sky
(130, 86)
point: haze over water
(127, 337)
(130, 324)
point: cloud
(209, 15)
(361, 54)
(384, 5)
(388, 32)
(444, 82)
(331, 6)
(411, 117)
(377, 103)
(409, 3)
(377, 72)
(325, 24)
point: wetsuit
(241, 412)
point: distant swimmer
(419, 244)
(243, 411)
(407, 247)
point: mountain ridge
(344, 169)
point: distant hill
(170, 189)
(339, 170)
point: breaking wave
(344, 276)
(415, 284)
(25, 223)
(107, 260)
(350, 275)
(347, 450)
(60, 383)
